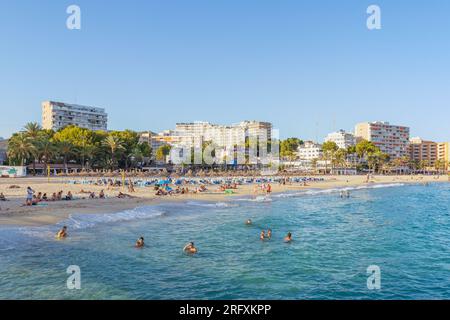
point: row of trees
(363, 155)
(72, 144)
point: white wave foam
(84, 221)
(257, 199)
(211, 205)
(337, 190)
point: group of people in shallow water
(188, 248)
(263, 236)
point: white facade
(391, 139)
(57, 115)
(342, 139)
(225, 136)
(309, 151)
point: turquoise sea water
(405, 230)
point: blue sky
(307, 66)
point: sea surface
(402, 229)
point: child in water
(140, 242)
(190, 248)
(262, 236)
(62, 233)
(288, 238)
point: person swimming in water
(190, 248)
(140, 242)
(269, 234)
(62, 233)
(288, 238)
(248, 222)
(262, 236)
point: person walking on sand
(30, 193)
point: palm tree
(46, 150)
(113, 144)
(329, 149)
(20, 147)
(65, 149)
(33, 130)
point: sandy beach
(13, 211)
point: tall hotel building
(391, 139)
(226, 136)
(57, 115)
(422, 150)
(443, 150)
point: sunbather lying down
(124, 195)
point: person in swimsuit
(140, 242)
(288, 238)
(62, 233)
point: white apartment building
(225, 136)
(342, 139)
(391, 139)
(57, 115)
(309, 151)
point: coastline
(13, 213)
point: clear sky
(307, 66)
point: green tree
(65, 149)
(114, 145)
(289, 147)
(20, 148)
(329, 149)
(163, 152)
(46, 150)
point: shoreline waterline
(54, 213)
(205, 202)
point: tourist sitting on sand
(54, 197)
(35, 201)
(44, 197)
(2, 197)
(39, 196)
(62, 233)
(248, 222)
(92, 195)
(288, 238)
(69, 196)
(190, 248)
(101, 195)
(161, 192)
(140, 242)
(30, 193)
(59, 196)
